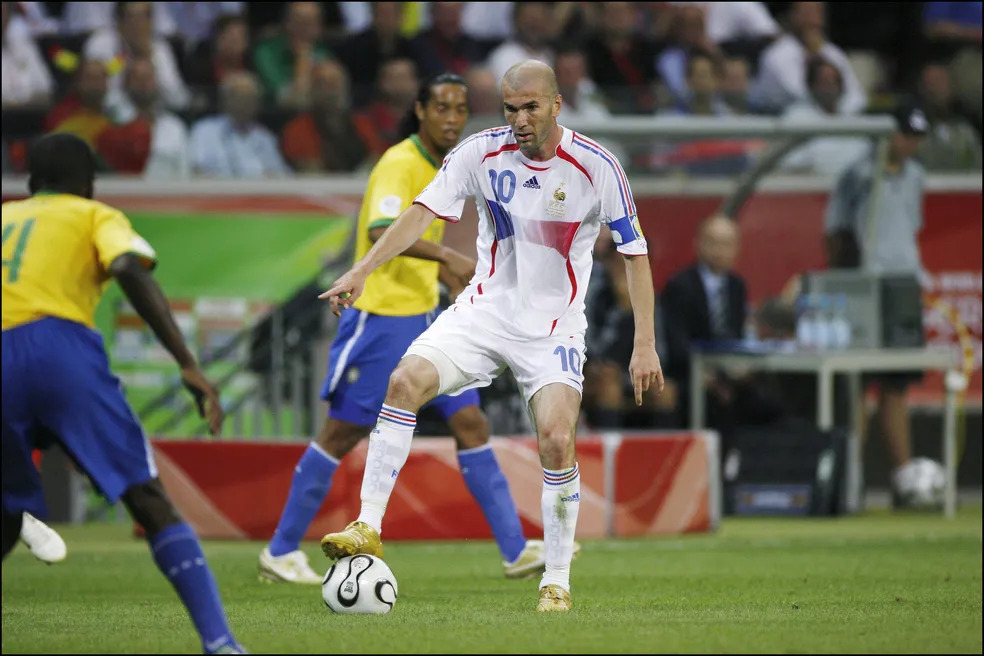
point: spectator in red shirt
(325, 139)
(378, 125)
(81, 111)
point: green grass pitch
(876, 583)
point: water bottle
(805, 322)
(841, 323)
(823, 322)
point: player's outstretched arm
(405, 231)
(147, 298)
(644, 367)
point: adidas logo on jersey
(531, 183)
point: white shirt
(724, 21)
(509, 53)
(538, 222)
(219, 150)
(782, 76)
(106, 44)
(25, 74)
(83, 17)
(824, 155)
(169, 157)
(487, 20)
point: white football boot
(43, 541)
(292, 567)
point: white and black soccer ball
(921, 483)
(359, 585)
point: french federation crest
(556, 207)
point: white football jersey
(538, 222)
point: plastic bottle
(805, 322)
(823, 322)
(841, 324)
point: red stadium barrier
(654, 483)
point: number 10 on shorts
(570, 359)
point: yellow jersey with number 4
(57, 249)
(404, 286)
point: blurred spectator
(284, 61)
(378, 124)
(233, 144)
(782, 68)
(734, 85)
(621, 62)
(823, 155)
(952, 144)
(488, 21)
(953, 30)
(608, 391)
(449, 49)
(26, 79)
(701, 95)
(194, 21)
(227, 52)
(81, 111)
(531, 36)
(88, 17)
(153, 142)
(133, 37)
(364, 53)
(742, 27)
(324, 139)
(34, 20)
(484, 96)
(579, 93)
(704, 302)
(894, 248)
(689, 38)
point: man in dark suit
(706, 301)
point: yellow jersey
(57, 249)
(404, 286)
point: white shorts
(467, 355)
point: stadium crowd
(261, 89)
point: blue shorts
(57, 386)
(366, 350)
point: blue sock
(312, 480)
(488, 485)
(179, 557)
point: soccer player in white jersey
(542, 192)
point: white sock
(389, 446)
(559, 503)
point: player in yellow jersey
(60, 249)
(399, 302)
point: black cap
(911, 119)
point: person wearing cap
(893, 249)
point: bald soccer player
(543, 192)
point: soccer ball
(359, 584)
(920, 483)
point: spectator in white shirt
(26, 79)
(782, 67)
(532, 23)
(233, 144)
(87, 17)
(736, 21)
(133, 37)
(579, 93)
(488, 21)
(823, 155)
(689, 37)
(168, 158)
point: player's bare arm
(148, 300)
(398, 237)
(644, 367)
(452, 262)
